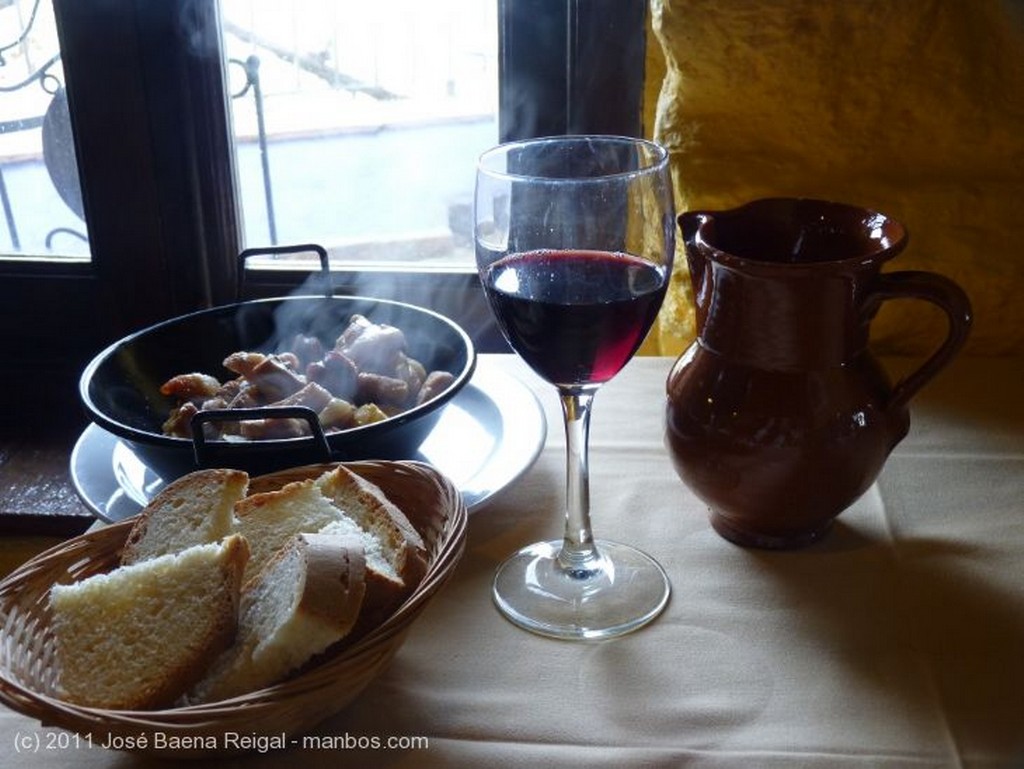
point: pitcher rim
(896, 242)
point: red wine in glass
(575, 316)
(575, 239)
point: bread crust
(331, 587)
(335, 579)
(207, 495)
(373, 511)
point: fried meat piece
(336, 373)
(179, 423)
(312, 395)
(243, 363)
(373, 348)
(274, 379)
(307, 349)
(435, 383)
(187, 387)
(337, 415)
(384, 390)
(261, 429)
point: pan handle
(301, 248)
(200, 446)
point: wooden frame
(146, 91)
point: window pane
(358, 124)
(40, 199)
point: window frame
(159, 183)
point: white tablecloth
(896, 642)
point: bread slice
(304, 600)
(192, 510)
(366, 504)
(141, 635)
(269, 519)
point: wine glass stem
(578, 556)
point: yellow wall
(911, 107)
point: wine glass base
(627, 591)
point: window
(352, 118)
(158, 173)
(39, 192)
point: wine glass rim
(654, 162)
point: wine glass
(575, 237)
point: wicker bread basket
(28, 668)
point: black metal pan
(120, 388)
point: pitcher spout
(690, 223)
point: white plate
(487, 437)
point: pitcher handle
(940, 291)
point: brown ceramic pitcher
(778, 415)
